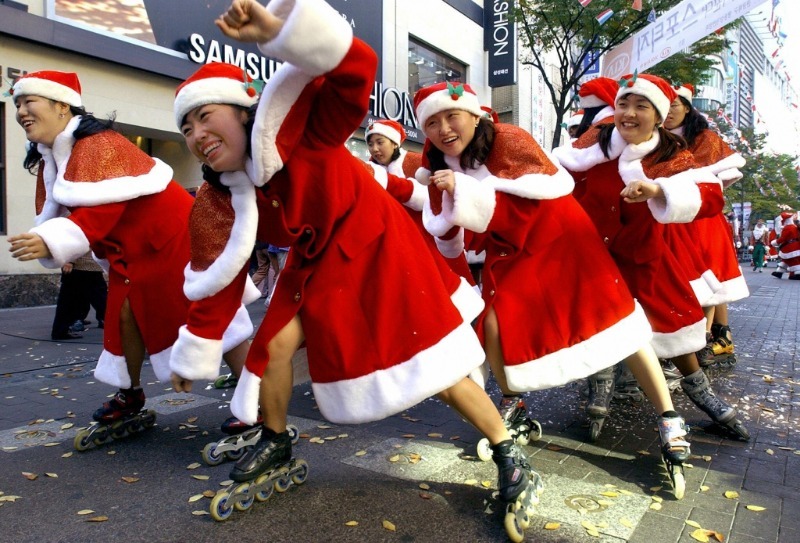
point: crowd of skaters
(637, 192)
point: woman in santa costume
(788, 245)
(394, 168)
(493, 180)
(596, 98)
(711, 236)
(96, 190)
(637, 177)
(354, 251)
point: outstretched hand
(28, 246)
(444, 180)
(249, 21)
(179, 384)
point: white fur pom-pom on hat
(659, 92)
(685, 91)
(59, 86)
(442, 96)
(214, 83)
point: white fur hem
(600, 351)
(194, 357)
(688, 339)
(730, 291)
(65, 240)
(702, 291)
(160, 363)
(384, 393)
(453, 247)
(436, 225)
(112, 370)
(468, 301)
(240, 329)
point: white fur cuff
(244, 404)
(195, 358)
(65, 240)
(681, 201)
(112, 370)
(472, 204)
(240, 329)
(451, 248)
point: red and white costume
(634, 233)
(384, 327)
(713, 236)
(559, 320)
(788, 243)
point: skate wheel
(210, 456)
(266, 488)
(514, 530)
(149, 419)
(82, 441)
(220, 508)
(244, 500)
(294, 433)
(594, 430)
(536, 431)
(300, 472)
(118, 430)
(522, 437)
(282, 484)
(678, 481)
(741, 431)
(237, 454)
(484, 450)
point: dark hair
(476, 152)
(88, 126)
(668, 144)
(214, 178)
(589, 113)
(693, 124)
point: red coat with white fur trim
(559, 320)
(124, 206)
(789, 247)
(713, 235)
(384, 327)
(634, 233)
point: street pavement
(413, 477)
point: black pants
(79, 289)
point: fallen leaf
(554, 448)
(200, 477)
(199, 513)
(657, 499)
(770, 452)
(655, 506)
(52, 475)
(209, 493)
(755, 508)
(30, 476)
(408, 436)
(196, 497)
(67, 426)
(351, 523)
(626, 492)
(607, 503)
(342, 436)
(395, 458)
(425, 486)
(192, 419)
(389, 526)
(731, 494)
(626, 522)
(425, 495)
(704, 488)
(471, 482)
(129, 480)
(324, 427)
(655, 488)
(51, 444)
(85, 512)
(112, 453)
(361, 453)
(700, 535)
(11, 499)
(693, 524)
(552, 526)
(610, 494)
(434, 434)
(643, 452)
(593, 533)
(486, 484)
(193, 465)
(588, 525)
(101, 518)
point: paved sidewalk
(372, 473)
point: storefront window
(427, 66)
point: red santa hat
(443, 96)
(392, 130)
(214, 83)
(490, 114)
(786, 217)
(575, 119)
(685, 91)
(659, 92)
(59, 86)
(598, 92)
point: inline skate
(698, 388)
(626, 387)
(671, 374)
(722, 347)
(226, 381)
(674, 450)
(519, 488)
(522, 428)
(601, 392)
(119, 417)
(240, 438)
(266, 467)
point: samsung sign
(500, 40)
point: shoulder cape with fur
(92, 179)
(678, 177)
(711, 150)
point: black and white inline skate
(240, 438)
(675, 450)
(119, 417)
(266, 468)
(698, 388)
(522, 428)
(519, 488)
(601, 392)
(226, 381)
